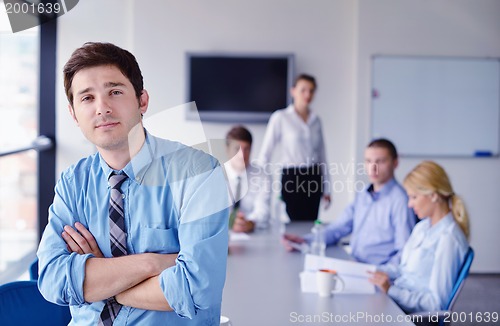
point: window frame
(47, 120)
(45, 143)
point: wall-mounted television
(240, 88)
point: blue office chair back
(464, 272)
(34, 270)
(22, 304)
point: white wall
(321, 36)
(97, 21)
(332, 39)
(441, 28)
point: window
(21, 186)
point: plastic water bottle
(281, 213)
(318, 243)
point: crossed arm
(132, 279)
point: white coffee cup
(326, 281)
(224, 321)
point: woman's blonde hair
(429, 177)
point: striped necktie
(118, 240)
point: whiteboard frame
(385, 123)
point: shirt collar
(105, 167)
(232, 173)
(386, 188)
(312, 115)
(138, 166)
(441, 225)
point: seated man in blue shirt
(379, 220)
(137, 232)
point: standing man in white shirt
(305, 177)
(250, 186)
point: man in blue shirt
(379, 220)
(173, 203)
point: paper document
(354, 274)
(353, 284)
(238, 236)
(352, 268)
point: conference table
(263, 288)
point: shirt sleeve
(262, 206)
(393, 271)
(271, 138)
(324, 164)
(61, 272)
(339, 228)
(444, 270)
(403, 221)
(197, 279)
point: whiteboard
(437, 106)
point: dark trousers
(301, 190)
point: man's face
(239, 160)
(379, 165)
(303, 93)
(105, 106)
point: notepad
(354, 274)
(238, 236)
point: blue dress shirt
(430, 263)
(379, 224)
(175, 201)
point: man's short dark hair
(239, 133)
(93, 54)
(305, 77)
(384, 143)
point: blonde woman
(436, 249)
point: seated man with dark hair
(250, 187)
(379, 220)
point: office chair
(464, 272)
(459, 283)
(21, 304)
(34, 270)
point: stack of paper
(355, 275)
(238, 236)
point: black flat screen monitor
(238, 88)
